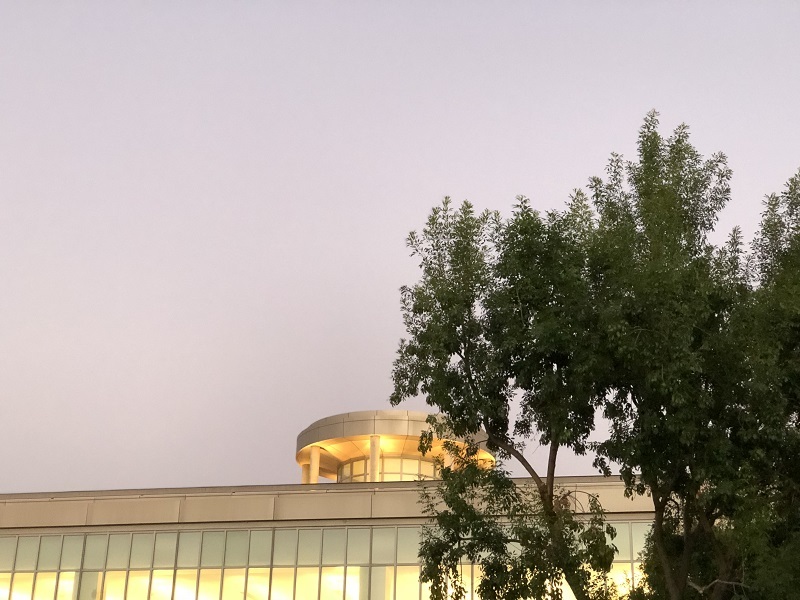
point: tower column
(305, 473)
(313, 475)
(374, 456)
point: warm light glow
(258, 584)
(45, 588)
(114, 588)
(66, 585)
(282, 584)
(161, 589)
(186, 584)
(138, 585)
(233, 584)
(5, 585)
(353, 591)
(22, 586)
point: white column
(374, 456)
(313, 475)
(305, 473)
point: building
(353, 540)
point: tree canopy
(523, 330)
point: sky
(204, 205)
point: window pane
(67, 586)
(408, 583)
(358, 467)
(236, 548)
(639, 533)
(27, 549)
(45, 588)
(185, 584)
(233, 584)
(622, 541)
(309, 547)
(138, 585)
(382, 583)
(91, 583)
(71, 552)
(333, 546)
(285, 547)
(213, 549)
(258, 584)
(165, 550)
(392, 477)
(622, 575)
(114, 585)
(282, 582)
(49, 553)
(408, 539)
(161, 588)
(5, 585)
(260, 547)
(358, 546)
(8, 548)
(210, 580)
(141, 550)
(391, 465)
(94, 556)
(307, 586)
(331, 585)
(22, 586)
(189, 549)
(119, 551)
(410, 466)
(357, 583)
(426, 469)
(383, 539)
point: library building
(354, 538)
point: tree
(522, 329)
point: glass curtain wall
(331, 563)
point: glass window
(138, 585)
(236, 549)
(383, 539)
(213, 549)
(91, 583)
(357, 546)
(119, 551)
(5, 585)
(639, 533)
(22, 586)
(331, 584)
(141, 550)
(260, 547)
(622, 541)
(307, 585)
(189, 549)
(71, 551)
(233, 584)
(8, 548)
(258, 584)
(334, 542)
(210, 580)
(285, 551)
(391, 465)
(622, 576)
(67, 586)
(408, 539)
(359, 467)
(185, 584)
(49, 553)
(282, 581)
(392, 477)
(408, 583)
(309, 547)
(94, 556)
(27, 549)
(161, 588)
(165, 550)
(426, 469)
(410, 467)
(114, 585)
(382, 585)
(45, 588)
(357, 583)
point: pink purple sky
(203, 205)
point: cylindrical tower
(368, 446)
